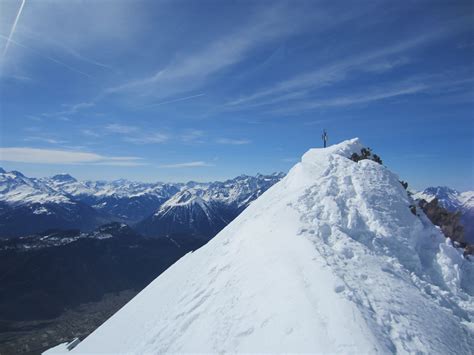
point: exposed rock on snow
(453, 201)
(329, 260)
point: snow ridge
(330, 259)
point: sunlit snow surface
(328, 260)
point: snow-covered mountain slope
(239, 192)
(448, 198)
(186, 214)
(202, 210)
(17, 189)
(329, 260)
(453, 201)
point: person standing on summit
(325, 138)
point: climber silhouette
(325, 138)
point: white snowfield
(329, 260)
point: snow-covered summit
(184, 198)
(447, 197)
(186, 213)
(330, 259)
(17, 189)
(64, 178)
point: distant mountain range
(453, 201)
(32, 205)
(204, 209)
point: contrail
(46, 57)
(171, 101)
(12, 31)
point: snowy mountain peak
(17, 173)
(64, 178)
(328, 260)
(2, 171)
(454, 201)
(448, 198)
(17, 189)
(440, 190)
(185, 197)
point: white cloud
(90, 133)
(426, 84)
(147, 138)
(192, 164)
(12, 31)
(193, 136)
(77, 107)
(292, 89)
(50, 156)
(192, 70)
(172, 101)
(70, 110)
(233, 141)
(121, 129)
(44, 140)
(348, 100)
(136, 135)
(51, 59)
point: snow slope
(330, 259)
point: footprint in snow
(246, 332)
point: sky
(208, 90)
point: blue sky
(207, 90)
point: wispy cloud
(20, 77)
(368, 97)
(348, 100)
(193, 136)
(120, 128)
(300, 85)
(78, 107)
(172, 101)
(136, 135)
(44, 140)
(12, 31)
(233, 141)
(147, 138)
(192, 164)
(69, 110)
(50, 156)
(422, 84)
(51, 59)
(192, 70)
(90, 133)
